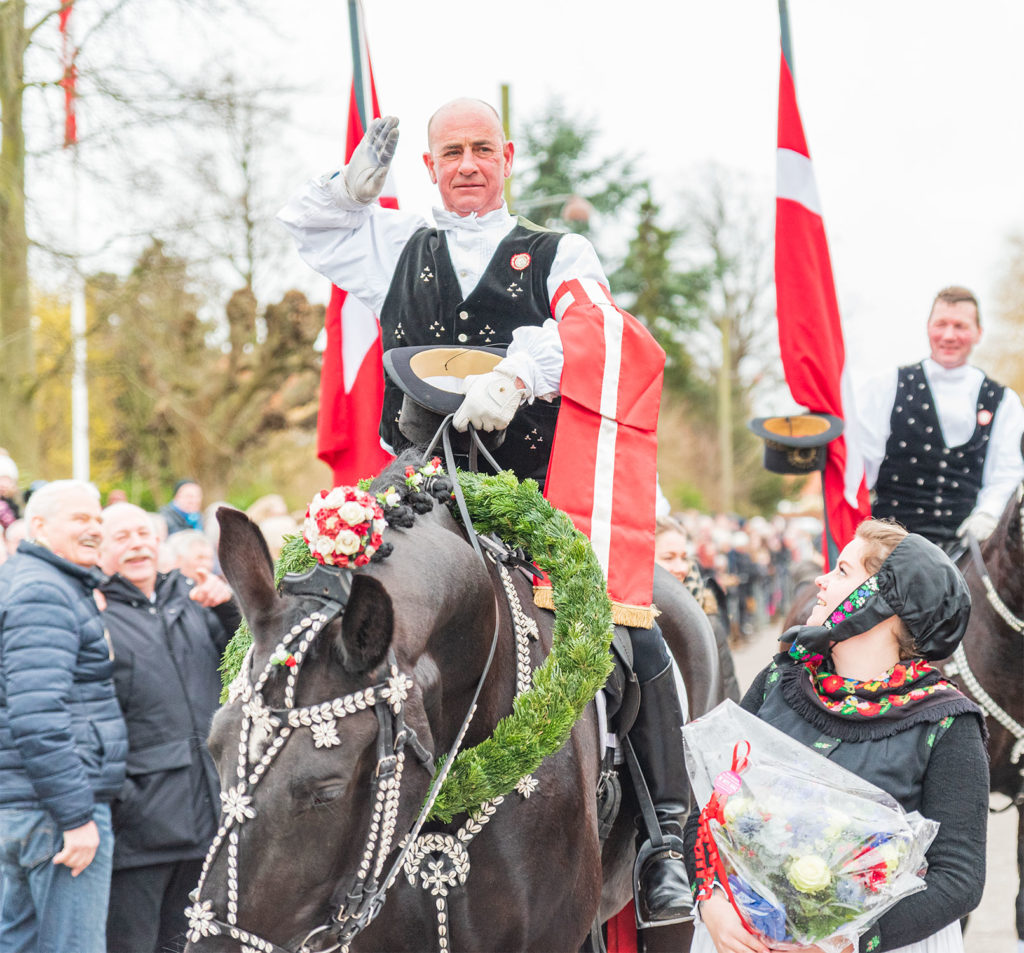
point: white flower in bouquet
(809, 874)
(353, 513)
(346, 543)
(334, 499)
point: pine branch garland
(576, 668)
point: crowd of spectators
(751, 565)
(185, 532)
(123, 612)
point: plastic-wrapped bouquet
(805, 849)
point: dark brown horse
(989, 667)
(309, 826)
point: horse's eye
(324, 795)
(310, 793)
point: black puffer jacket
(62, 738)
(166, 654)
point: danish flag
(810, 332)
(352, 374)
(603, 467)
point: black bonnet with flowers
(917, 582)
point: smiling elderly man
(62, 737)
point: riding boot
(660, 885)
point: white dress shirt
(357, 248)
(956, 403)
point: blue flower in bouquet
(807, 831)
(850, 892)
(749, 824)
(764, 916)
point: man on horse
(480, 276)
(941, 440)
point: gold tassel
(636, 617)
(543, 598)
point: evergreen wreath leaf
(576, 668)
(579, 662)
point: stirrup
(671, 848)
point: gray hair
(185, 541)
(48, 499)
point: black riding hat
(430, 378)
(917, 582)
(796, 444)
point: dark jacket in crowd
(177, 520)
(166, 655)
(62, 738)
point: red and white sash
(603, 466)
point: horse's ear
(246, 562)
(366, 626)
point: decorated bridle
(263, 734)
(1000, 607)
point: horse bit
(256, 751)
(960, 666)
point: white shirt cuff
(535, 356)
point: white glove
(491, 401)
(979, 524)
(367, 170)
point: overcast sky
(912, 110)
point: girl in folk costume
(857, 685)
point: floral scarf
(910, 692)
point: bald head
(129, 545)
(461, 108)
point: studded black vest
(424, 305)
(927, 486)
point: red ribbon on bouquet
(710, 868)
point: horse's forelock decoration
(343, 527)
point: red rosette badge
(520, 261)
(343, 527)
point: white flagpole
(79, 381)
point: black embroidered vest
(927, 486)
(424, 305)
